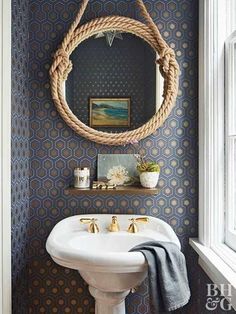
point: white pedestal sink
(103, 259)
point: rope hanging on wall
(62, 66)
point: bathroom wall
(55, 150)
(20, 155)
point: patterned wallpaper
(55, 150)
(20, 154)
(122, 70)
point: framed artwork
(119, 169)
(109, 112)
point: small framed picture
(109, 112)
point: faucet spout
(114, 226)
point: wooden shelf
(120, 190)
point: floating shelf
(137, 190)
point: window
(216, 245)
(230, 141)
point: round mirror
(112, 102)
(115, 84)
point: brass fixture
(103, 185)
(93, 227)
(133, 228)
(114, 226)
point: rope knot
(61, 52)
(61, 63)
(165, 57)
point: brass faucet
(133, 228)
(93, 227)
(114, 226)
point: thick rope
(165, 52)
(62, 66)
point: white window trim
(216, 259)
(5, 156)
(230, 136)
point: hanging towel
(167, 275)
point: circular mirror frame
(62, 66)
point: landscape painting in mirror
(109, 112)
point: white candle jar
(82, 178)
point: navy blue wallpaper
(20, 155)
(127, 69)
(55, 150)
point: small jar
(82, 178)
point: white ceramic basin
(103, 259)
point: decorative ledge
(125, 190)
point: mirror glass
(115, 84)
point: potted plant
(148, 172)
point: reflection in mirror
(126, 69)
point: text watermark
(219, 296)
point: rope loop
(62, 66)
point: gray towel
(167, 275)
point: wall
(20, 155)
(55, 150)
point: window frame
(216, 22)
(230, 135)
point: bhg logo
(215, 299)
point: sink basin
(103, 259)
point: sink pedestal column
(109, 302)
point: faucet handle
(142, 219)
(87, 220)
(133, 228)
(93, 227)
